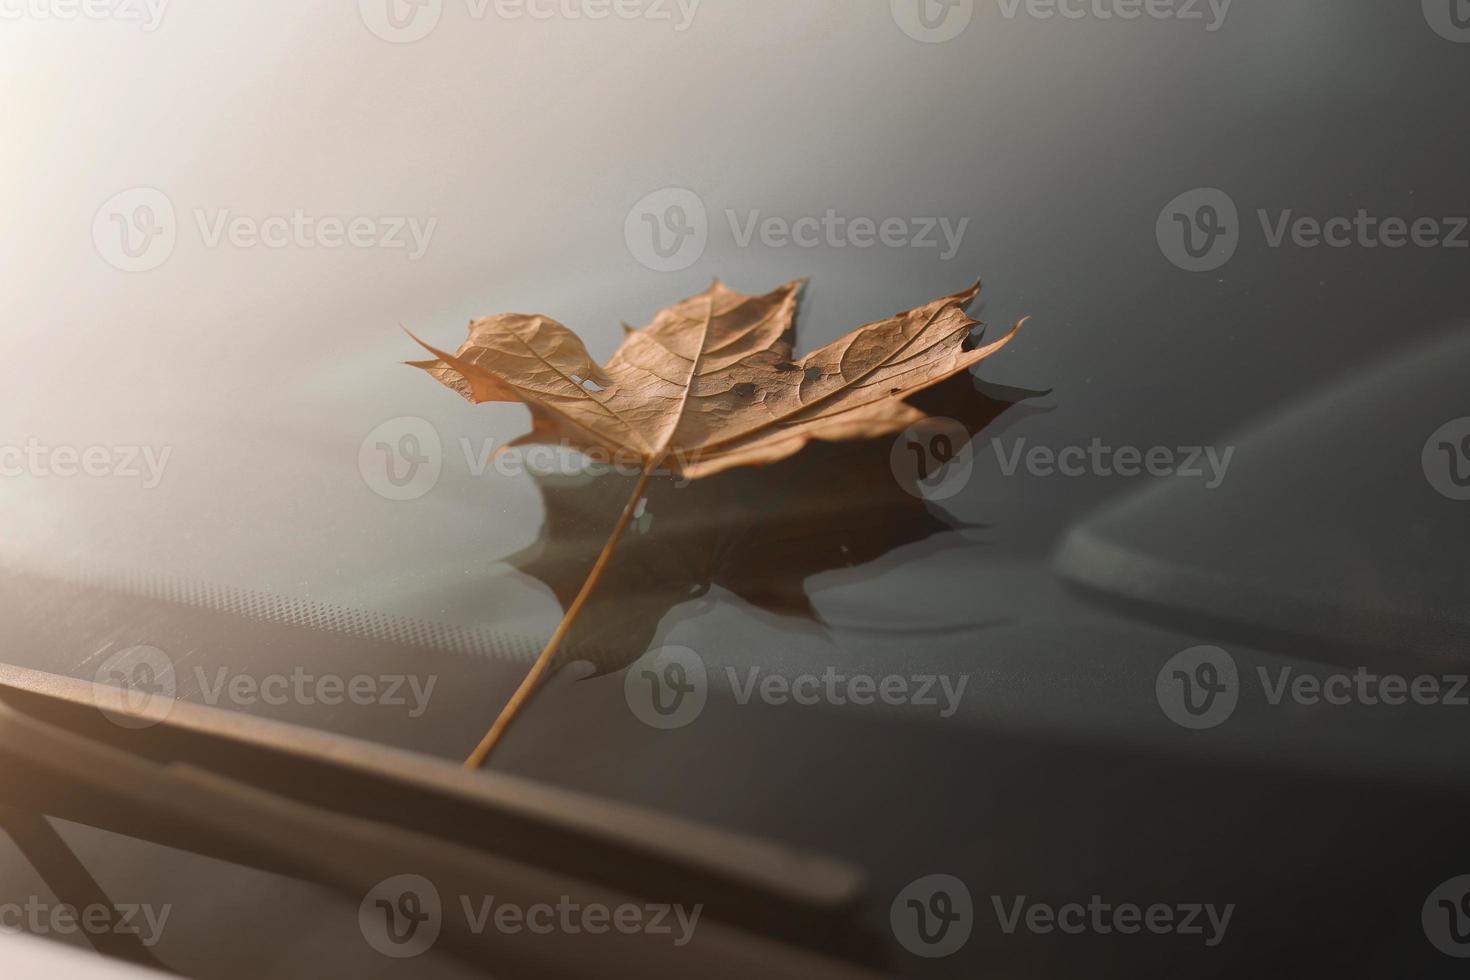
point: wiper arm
(349, 814)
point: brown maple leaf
(711, 384)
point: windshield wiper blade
(349, 814)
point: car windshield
(1189, 545)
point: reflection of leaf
(758, 533)
(709, 386)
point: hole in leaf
(745, 389)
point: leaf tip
(425, 345)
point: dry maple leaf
(709, 385)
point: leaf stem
(528, 686)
